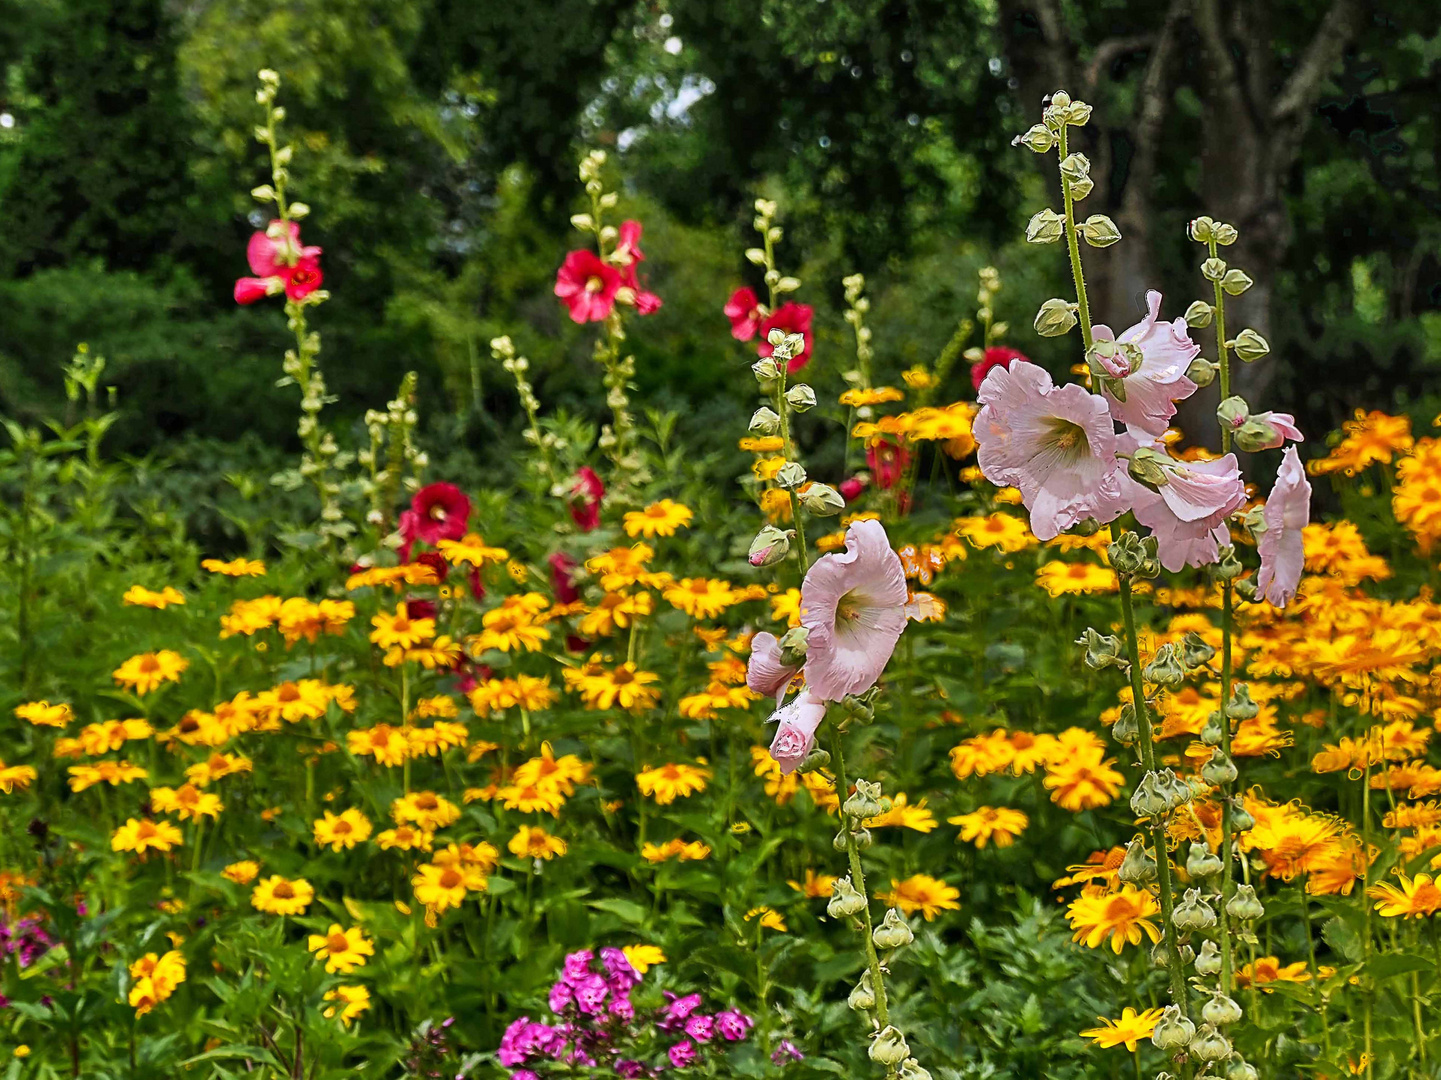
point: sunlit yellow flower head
(658, 519)
(139, 596)
(1128, 1031)
(235, 567)
(666, 783)
(1123, 916)
(342, 831)
(141, 835)
(342, 950)
(986, 823)
(149, 671)
(921, 892)
(44, 714)
(281, 896)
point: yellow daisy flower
(658, 519)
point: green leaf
(1389, 965)
(628, 910)
(1343, 939)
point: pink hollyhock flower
(1188, 513)
(562, 566)
(585, 496)
(996, 356)
(1265, 431)
(888, 462)
(1056, 444)
(744, 312)
(765, 673)
(628, 246)
(280, 263)
(796, 733)
(587, 285)
(853, 603)
(437, 512)
(793, 318)
(1153, 389)
(1288, 510)
(851, 489)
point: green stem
(858, 879)
(1315, 976)
(1073, 245)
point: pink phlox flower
(733, 1024)
(1154, 388)
(853, 604)
(620, 972)
(682, 1053)
(1057, 445)
(701, 1028)
(677, 1010)
(590, 994)
(1287, 512)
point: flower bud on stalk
(816, 758)
(1056, 317)
(794, 644)
(1208, 961)
(791, 475)
(1198, 316)
(1147, 800)
(1195, 651)
(1220, 1011)
(1240, 1070)
(767, 373)
(1201, 862)
(862, 996)
(1209, 1044)
(845, 901)
(865, 802)
(1045, 227)
(893, 933)
(1102, 651)
(1249, 345)
(1219, 770)
(1211, 731)
(1164, 669)
(1241, 819)
(1241, 707)
(1138, 866)
(769, 547)
(1125, 730)
(1173, 1030)
(911, 1070)
(889, 1046)
(764, 421)
(822, 500)
(1244, 905)
(1202, 372)
(801, 398)
(1193, 913)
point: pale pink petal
(765, 673)
(1153, 389)
(1288, 510)
(797, 731)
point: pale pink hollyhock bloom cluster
(853, 607)
(1287, 512)
(1060, 448)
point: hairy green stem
(858, 879)
(1073, 245)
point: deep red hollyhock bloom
(279, 265)
(628, 244)
(743, 310)
(420, 609)
(561, 567)
(437, 512)
(793, 318)
(996, 356)
(585, 496)
(851, 489)
(436, 561)
(888, 462)
(477, 587)
(587, 286)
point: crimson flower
(628, 245)
(437, 512)
(280, 263)
(744, 312)
(851, 489)
(562, 567)
(996, 356)
(888, 462)
(793, 318)
(587, 286)
(585, 496)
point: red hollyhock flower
(793, 318)
(744, 312)
(436, 561)
(851, 489)
(996, 356)
(437, 512)
(420, 609)
(280, 263)
(585, 496)
(888, 462)
(628, 244)
(587, 286)
(561, 567)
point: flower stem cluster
(547, 442)
(394, 463)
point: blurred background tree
(436, 140)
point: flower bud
(1138, 866)
(862, 996)
(769, 547)
(756, 256)
(1150, 565)
(1038, 138)
(1102, 651)
(816, 758)
(1055, 318)
(1209, 1044)
(1250, 346)
(1213, 269)
(1125, 730)
(893, 932)
(1208, 960)
(1164, 669)
(1225, 234)
(1202, 230)
(1146, 468)
(1146, 800)
(1244, 905)
(1173, 1030)
(911, 1070)
(889, 1046)
(794, 643)
(1256, 435)
(1241, 707)
(1199, 314)
(1160, 956)
(1235, 281)
(1195, 651)
(865, 801)
(1219, 770)
(1126, 553)
(1060, 100)
(1045, 227)
(1220, 1011)
(1200, 862)
(801, 397)
(1227, 567)
(1078, 113)
(791, 475)
(1193, 913)
(822, 500)
(1240, 1070)
(764, 421)
(1202, 372)
(1246, 589)
(1075, 167)
(1176, 791)
(844, 901)
(863, 838)
(1099, 231)
(841, 841)
(1081, 188)
(1233, 412)
(767, 373)
(1211, 731)
(1241, 819)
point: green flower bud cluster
(1130, 554)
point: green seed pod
(1193, 913)
(1195, 651)
(1173, 1030)
(1146, 800)
(1138, 866)
(845, 901)
(1209, 1044)
(1201, 862)
(893, 933)
(1220, 1011)
(1208, 961)
(862, 996)
(1164, 669)
(1211, 732)
(1219, 770)
(1241, 706)
(1244, 905)
(889, 1046)
(1125, 731)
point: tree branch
(1151, 101)
(1107, 53)
(1339, 26)
(1222, 78)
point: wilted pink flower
(438, 512)
(995, 356)
(1187, 514)
(743, 310)
(793, 318)
(765, 673)
(786, 1051)
(1288, 510)
(853, 603)
(280, 263)
(1056, 444)
(888, 462)
(1153, 389)
(585, 496)
(587, 286)
(796, 733)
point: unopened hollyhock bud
(1077, 113)
(1208, 960)
(769, 547)
(764, 421)
(1240, 1070)
(1059, 100)
(1198, 316)
(1102, 651)
(801, 397)
(1236, 281)
(1125, 730)
(816, 758)
(1245, 905)
(862, 997)
(1219, 770)
(1045, 227)
(911, 1070)
(1160, 956)
(1209, 1044)
(1126, 553)
(1195, 651)
(1138, 866)
(1173, 1030)
(1246, 589)
(1202, 372)
(1193, 913)
(1250, 346)
(1081, 188)
(1211, 730)
(1164, 669)
(1099, 231)
(1038, 138)
(1055, 318)
(822, 500)
(1202, 229)
(1241, 707)
(791, 475)
(1220, 1011)
(1075, 167)
(1226, 567)
(1225, 234)
(1213, 269)
(844, 901)
(1266, 431)
(1201, 862)
(893, 933)
(1176, 791)
(1233, 412)
(889, 1046)
(768, 375)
